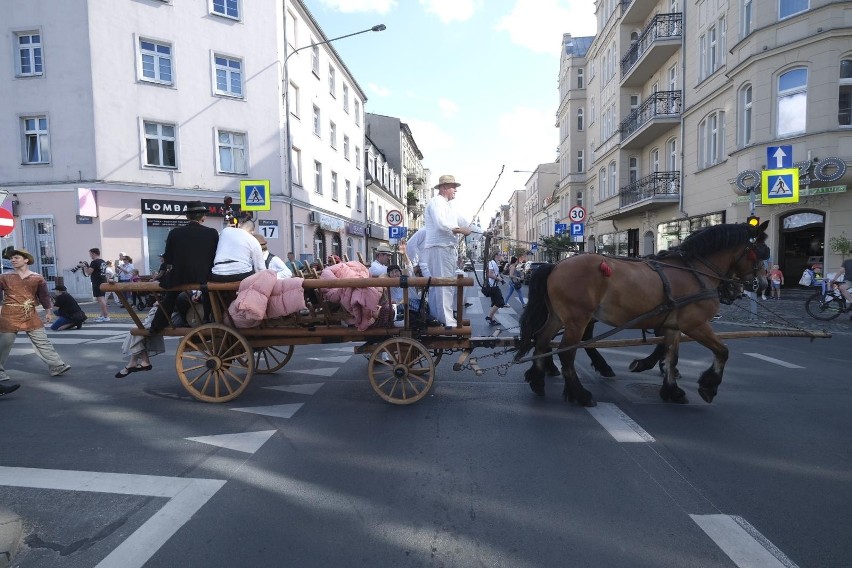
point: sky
(475, 80)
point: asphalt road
(310, 468)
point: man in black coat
(190, 251)
(67, 310)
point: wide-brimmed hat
(196, 207)
(447, 180)
(9, 252)
(383, 249)
(60, 288)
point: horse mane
(715, 238)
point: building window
(357, 158)
(602, 191)
(580, 164)
(787, 8)
(632, 169)
(747, 16)
(745, 122)
(227, 8)
(711, 48)
(655, 160)
(844, 103)
(296, 166)
(711, 139)
(332, 134)
(317, 177)
(581, 82)
(613, 179)
(671, 147)
(156, 59)
(29, 60)
(346, 147)
(294, 100)
(348, 194)
(345, 98)
(232, 152)
(579, 119)
(292, 29)
(315, 60)
(160, 144)
(334, 194)
(332, 81)
(36, 140)
(792, 102)
(229, 76)
(357, 104)
(317, 124)
(358, 192)
(580, 198)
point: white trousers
(442, 264)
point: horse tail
(535, 313)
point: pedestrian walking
(516, 279)
(776, 280)
(97, 271)
(22, 291)
(494, 281)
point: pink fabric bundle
(362, 303)
(287, 298)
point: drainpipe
(682, 103)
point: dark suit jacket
(190, 250)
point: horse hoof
(589, 403)
(707, 394)
(537, 389)
(638, 365)
(553, 372)
(607, 373)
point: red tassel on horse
(605, 269)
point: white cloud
(451, 10)
(350, 6)
(430, 137)
(377, 90)
(448, 107)
(538, 25)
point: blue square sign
(779, 157)
(576, 229)
(397, 232)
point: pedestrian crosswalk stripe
(298, 389)
(323, 372)
(277, 410)
(247, 442)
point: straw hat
(10, 252)
(383, 249)
(447, 180)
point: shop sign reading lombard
(166, 207)
(825, 170)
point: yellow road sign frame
(245, 187)
(767, 199)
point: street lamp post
(288, 174)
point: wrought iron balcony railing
(662, 26)
(657, 184)
(665, 104)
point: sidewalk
(788, 312)
(116, 313)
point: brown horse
(671, 293)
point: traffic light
(753, 221)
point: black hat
(60, 288)
(196, 207)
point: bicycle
(826, 304)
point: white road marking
(743, 544)
(322, 372)
(332, 359)
(618, 424)
(186, 496)
(298, 389)
(773, 360)
(278, 410)
(344, 349)
(248, 442)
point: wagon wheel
(401, 370)
(212, 363)
(437, 354)
(270, 359)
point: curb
(11, 530)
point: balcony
(660, 40)
(654, 191)
(414, 176)
(635, 12)
(658, 114)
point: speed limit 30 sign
(577, 214)
(394, 218)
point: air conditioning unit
(314, 217)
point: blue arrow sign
(560, 228)
(576, 229)
(779, 157)
(534, 247)
(397, 232)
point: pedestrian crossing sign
(780, 186)
(254, 195)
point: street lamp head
(379, 28)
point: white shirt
(278, 265)
(238, 252)
(493, 267)
(414, 252)
(440, 219)
(378, 269)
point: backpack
(269, 259)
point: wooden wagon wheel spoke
(407, 377)
(270, 359)
(224, 358)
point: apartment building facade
(116, 114)
(683, 100)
